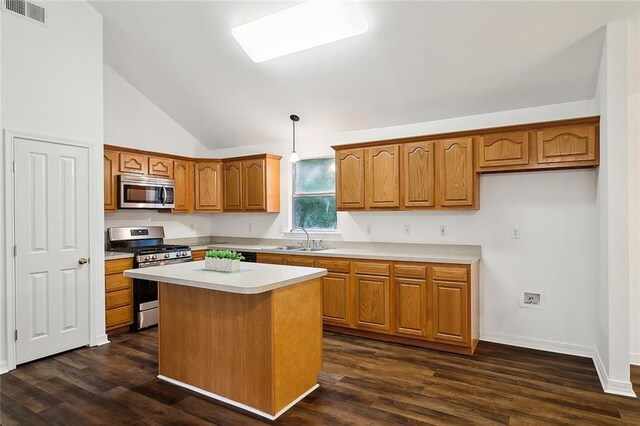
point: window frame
(295, 195)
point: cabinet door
(372, 299)
(110, 182)
(274, 259)
(232, 186)
(450, 312)
(305, 261)
(183, 174)
(161, 167)
(335, 299)
(198, 255)
(208, 186)
(350, 179)
(253, 184)
(418, 175)
(411, 307)
(456, 176)
(382, 176)
(503, 149)
(567, 144)
(133, 163)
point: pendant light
(294, 155)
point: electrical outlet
(407, 229)
(443, 230)
(531, 299)
(281, 229)
(515, 233)
(369, 227)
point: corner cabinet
(110, 181)
(252, 184)
(208, 186)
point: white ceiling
(419, 61)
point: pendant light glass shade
(293, 158)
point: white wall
(176, 225)
(555, 211)
(132, 120)
(52, 86)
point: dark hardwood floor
(363, 382)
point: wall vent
(26, 9)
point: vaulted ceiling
(419, 61)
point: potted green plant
(222, 260)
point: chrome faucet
(305, 231)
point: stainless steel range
(148, 248)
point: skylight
(310, 24)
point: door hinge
(15, 335)
(15, 251)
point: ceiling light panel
(310, 24)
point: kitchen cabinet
(336, 297)
(252, 184)
(457, 181)
(275, 259)
(133, 163)
(161, 167)
(110, 181)
(208, 186)
(503, 149)
(567, 145)
(418, 175)
(382, 177)
(118, 294)
(198, 254)
(350, 193)
(450, 313)
(305, 261)
(184, 176)
(410, 287)
(372, 301)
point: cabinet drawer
(116, 266)
(410, 271)
(116, 282)
(450, 273)
(198, 255)
(117, 298)
(370, 268)
(300, 261)
(275, 259)
(334, 265)
(119, 316)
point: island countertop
(253, 278)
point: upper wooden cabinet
(208, 186)
(566, 144)
(183, 174)
(252, 183)
(110, 182)
(161, 167)
(350, 183)
(503, 149)
(133, 163)
(456, 185)
(382, 177)
(417, 168)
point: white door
(52, 239)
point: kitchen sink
(298, 248)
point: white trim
(100, 340)
(539, 344)
(614, 387)
(96, 248)
(635, 359)
(3, 367)
(237, 404)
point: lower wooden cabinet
(430, 305)
(118, 294)
(197, 254)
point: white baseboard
(103, 339)
(3, 367)
(539, 344)
(608, 386)
(615, 387)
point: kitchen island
(251, 338)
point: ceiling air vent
(26, 9)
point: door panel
(418, 175)
(232, 186)
(253, 185)
(372, 303)
(208, 186)
(52, 234)
(184, 180)
(382, 176)
(335, 299)
(503, 149)
(350, 179)
(110, 159)
(450, 313)
(410, 306)
(456, 183)
(567, 144)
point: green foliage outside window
(314, 199)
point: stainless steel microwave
(143, 192)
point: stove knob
(147, 257)
(184, 253)
(178, 254)
(154, 257)
(166, 256)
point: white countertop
(113, 255)
(359, 253)
(253, 278)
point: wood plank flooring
(364, 382)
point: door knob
(83, 260)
